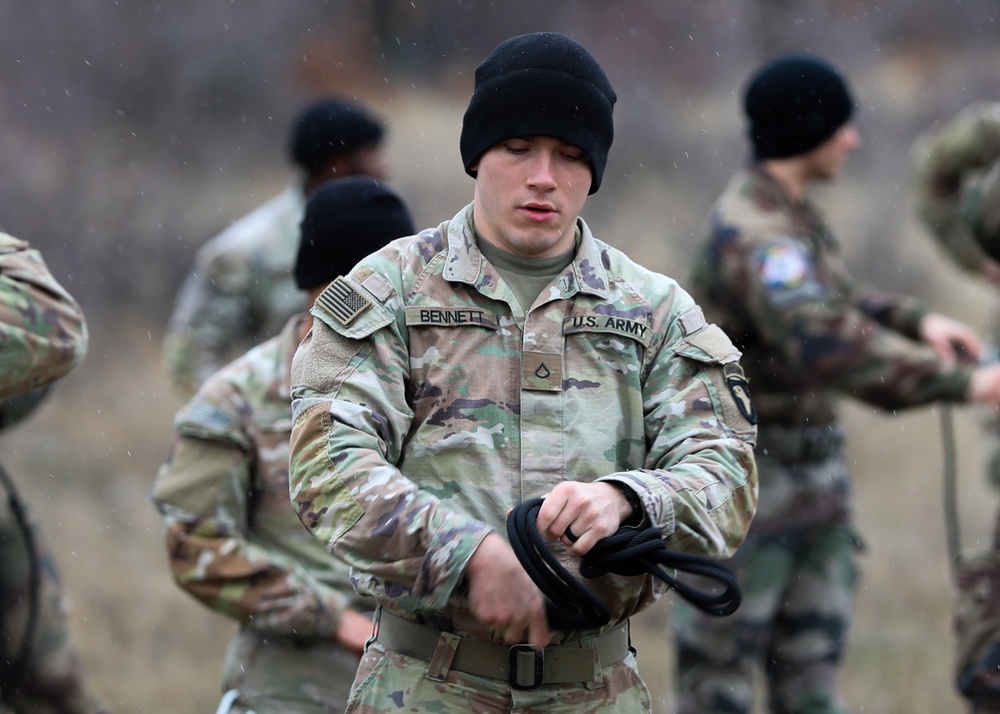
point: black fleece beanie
(345, 220)
(794, 103)
(330, 127)
(540, 84)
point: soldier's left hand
(953, 340)
(590, 511)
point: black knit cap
(794, 103)
(540, 84)
(345, 220)
(329, 127)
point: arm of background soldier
(210, 319)
(202, 491)
(826, 336)
(943, 161)
(43, 333)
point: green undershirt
(526, 277)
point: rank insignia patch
(343, 301)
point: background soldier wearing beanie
(240, 290)
(771, 275)
(43, 335)
(504, 355)
(233, 540)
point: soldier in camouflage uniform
(508, 354)
(956, 169)
(957, 182)
(240, 290)
(233, 539)
(771, 275)
(43, 335)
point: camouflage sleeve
(43, 333)
(202, 491)
(901, 313)
(210, 321)
(948, 165)
(699, 482)
(826, 341)
(344, 480)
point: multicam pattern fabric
(413, 688)
(956, 170)
(957, 184)
(43, 334)
(239, 293)
(235, 543)
(53, 679)
(441, 405)
(771, 276)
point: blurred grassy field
(87, 459)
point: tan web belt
(523, 666)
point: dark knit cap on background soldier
(233, 540)
(771, 275)
(503, 355)
(240, 290)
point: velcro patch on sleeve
(343, 301)
(692, 320)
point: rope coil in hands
(629, 551)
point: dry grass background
(87, 459)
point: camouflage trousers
(388, 681)
(278, 675)
(51, 680)
(798, 571)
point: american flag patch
(343, 302)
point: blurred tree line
(134, 130)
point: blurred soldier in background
(957, 182)
(233, 539)
(240, 290)
(772, 277)
(956, 170)
(508, 354)
(43, 335)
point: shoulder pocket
(709, 344)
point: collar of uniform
(466, 264)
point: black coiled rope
(629, 551)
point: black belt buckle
(523, 661)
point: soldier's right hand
(503, 596)
(984, 387)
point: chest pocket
(607, 343)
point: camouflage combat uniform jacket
(772, 277)
(427, 404)
(233, 539)
(43, 334)
(957, 182)
(239, 293)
